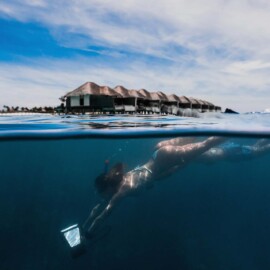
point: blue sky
(215, 50)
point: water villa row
(91, 97)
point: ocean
(207, 215)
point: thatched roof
(155, 96)
(194, 101)
(107, 91)
(209, 104)
(173, 98)
(88, 88)
(91, 88)
(159, 96)
(122, 91)
(199, 101)
(203, 102)
(184, 100)
(136, 93)
(162, 96)
(206, 103)
(145, 93)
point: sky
(216, 50)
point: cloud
(245, 67)
(154, 26)
(42, 82)
(35, 3)
(216, 51)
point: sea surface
(208, 215)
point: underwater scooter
(74, 235)
(74, 239)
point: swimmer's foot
(262, 142)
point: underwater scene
(109, 192)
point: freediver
(170, 156)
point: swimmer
(170, 156)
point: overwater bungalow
(185, 103)
(140, 104)
(174, 103)
(156, 103)
(79, 98)
(150, 102)
(110, 95)
(205, 105)
(164, 103)
(91, 97)
(170, 103)
(217, 109)
(195, 104)
(211, 106)
(126, 102)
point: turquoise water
(208, 215)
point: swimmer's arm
(107, 210)
(94, 210)
(93, 214)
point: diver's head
(108, 183)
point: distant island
(48, 110)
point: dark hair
(108, 183)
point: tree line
(46, 109)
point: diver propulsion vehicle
(74, 239)
(73, 235)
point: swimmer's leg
(212, 155)
(94, 213)
(261, 150)
(95, 223)
(176, 142)
(262, 142)
(190, 151)
(170, 158)
(106, 210)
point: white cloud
(245, 67)
(216, 49)
(153, 25)
(35, 3)
(42, 84)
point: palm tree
(7, 107)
